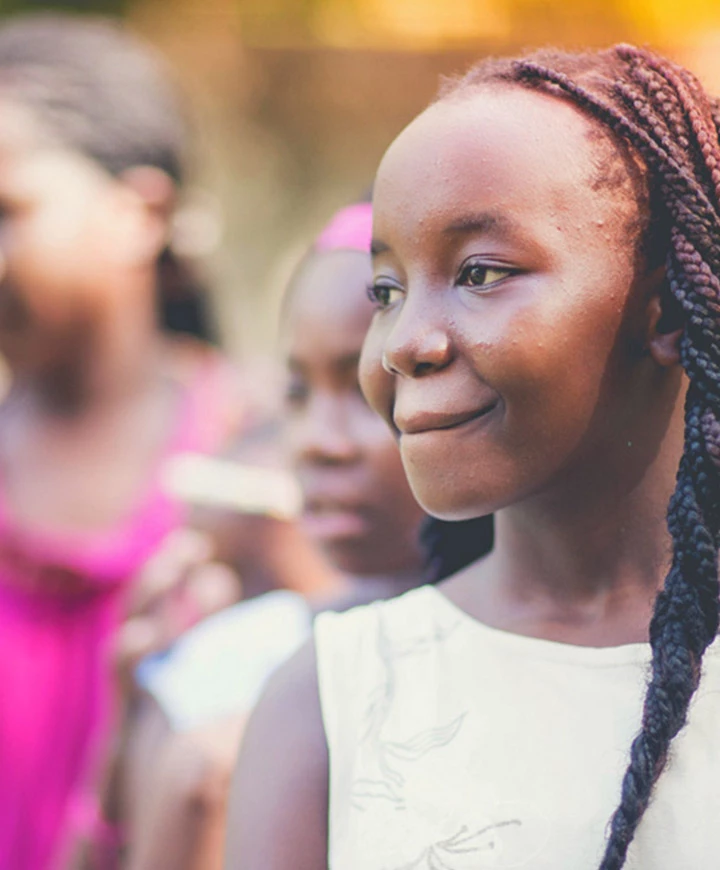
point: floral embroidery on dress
(451, 852)
(388, 754)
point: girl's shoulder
(356, 650)
(405, 615)
(287, 722)
(421, 618)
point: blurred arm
(279, 801)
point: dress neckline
(638, 653)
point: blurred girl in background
(358, 510)
(93, 152)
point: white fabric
(455, 746)
(221, 665)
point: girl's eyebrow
(348, 361)
(482, 222)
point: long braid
(663, 114)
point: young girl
(547, 279)
(92, 154)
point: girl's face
(70, 242)
(508, 348)
(358, 504)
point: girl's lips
(333, 522)
(431, 421)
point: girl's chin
(451, 507)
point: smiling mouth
(328, 521)
(434, 422)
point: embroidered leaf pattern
(424, 741)
(385, 754)
(435, 863)
(482, 840)
(375, 788)
(384, 767)
(443, 854)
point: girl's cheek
(376, 384)
(375, 433)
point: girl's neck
(582, 565)
(577, 563)
(363, 589)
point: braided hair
(97, 90)
(661, 113)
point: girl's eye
(477, 275)
(296, 393)
(383, 295)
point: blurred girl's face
(358, 505)
(509, 348)
(70, 238)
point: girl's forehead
(20, 129)
(500, 140)
(331, 279)
(329, 296)
(29, 150)
(47, 172)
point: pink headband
(350, 228)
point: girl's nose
(418, 343)
(326, 436)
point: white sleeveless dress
(455, 746)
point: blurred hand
(177, 587)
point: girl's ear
(665, 321)
(153, 195)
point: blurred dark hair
(100, 91)
(451, 546)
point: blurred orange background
(296, 101)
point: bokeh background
(296, 100)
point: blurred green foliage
(105, 7)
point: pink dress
(60, 603)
